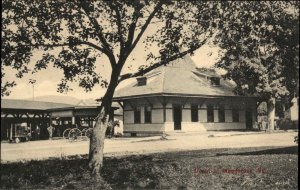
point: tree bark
(98, 136)
(97, 144)
(271, 113)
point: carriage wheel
(83, 131)
(89, 132)
(66, 133)
(74, 133)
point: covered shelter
(31, 114)
(33, 117)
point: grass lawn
(242, 168)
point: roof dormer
(141, 81)
(209, 75)
(215, 81)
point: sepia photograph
(149, 94)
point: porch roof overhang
(78, 108)
(73, 108)
(118, 99)
(11, 110)
(76, 111)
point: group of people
(263, 125)
(35, 134)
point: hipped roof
(179, 77)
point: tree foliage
(82, 31)
(262, 47)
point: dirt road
(36, 150)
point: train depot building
(182, 97)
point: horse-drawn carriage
(74, 132)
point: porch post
(73, 120)
(11, 131)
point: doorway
(249, 122)
(177, 116)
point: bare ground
(38, 150)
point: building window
(210, 113)
(221, 114)
(235, 115)
(137, 115)
(148, 114)
(194, 113)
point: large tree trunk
(97, 144)
(271, 113)
(98, 135)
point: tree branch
(64, 44)
(131, 30)
(163, 62)
(144, 27)
(119, 25)
(106, 47)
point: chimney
(141, 81)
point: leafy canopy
(81, 32)
(262, 47)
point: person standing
(121, 129)
(118, 129)
(264, 125)
(50, 130)
(37, 132)
(29, 137)
(58, 131)
(116, 126)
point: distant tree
(262, 50)
(83, 30)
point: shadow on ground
(283, 150)
(148, 171)
(170, 170)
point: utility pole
(32, 81)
